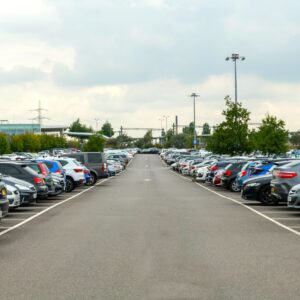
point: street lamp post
(234, 57)
(166, 118)
(97, 120)
(194, 95)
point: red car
(217, 178)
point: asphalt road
(149, 234)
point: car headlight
(253, 184)
(22, 187)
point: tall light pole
(161, 120)
(97, 120)
(166, 118)
(234, 57)
(194, 95)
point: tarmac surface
(149, 234)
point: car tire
(93, 179)
(69, 185)
(234, 187)
(265, 196)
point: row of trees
(234, 137)
(106, 128)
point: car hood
(12, 181)
(258, 178)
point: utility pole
(234, 57)
(194, 95)
(40, 116)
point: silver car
(294, 197)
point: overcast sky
(132, 61)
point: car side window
(94, 158)
(63, 162)
(9, 170)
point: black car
(258, 188)
(22, 171)
(27, 190)
(229, 176)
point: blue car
(253, 168)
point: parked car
(4, 204)
(13, 196)
(95, 162)
(28, 193)
(74, 173)
(229, 175)
(217, 181)
(294, 197)
(258, 187)
(21, 170)
(284, 178)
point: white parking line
(24, 221)
(293, 219)
(253, 210)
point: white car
(74, 172)
(13, 196)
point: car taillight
(281, 174)
(78, 170)
(227, 173)
(38, 180)
(57, 171)
(213, 168)
(243, 173)
(104, 167)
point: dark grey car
(284, 178)
(94, 161)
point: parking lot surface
(150, 235)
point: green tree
(232, 135)
(16, 143)
(31, 142)
(189, 130)
(206, 129)
(271, 137)
(179, 141)
(146, 141)
(107, 129)
(94, 144)
(295, 139)
(4, 144)
(77, 126)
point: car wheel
(234, 187)
(265, 196)
(69, 185)
(93, 179)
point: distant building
(13, 129)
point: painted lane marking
(24, 221)
(253, 210)
(288, 228)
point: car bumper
(249, 193)
(27, 198)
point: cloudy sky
(132, 61)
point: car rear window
(63, 162)
(94, 158)
(35, 168)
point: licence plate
(34, 196)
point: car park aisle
(149, 234)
